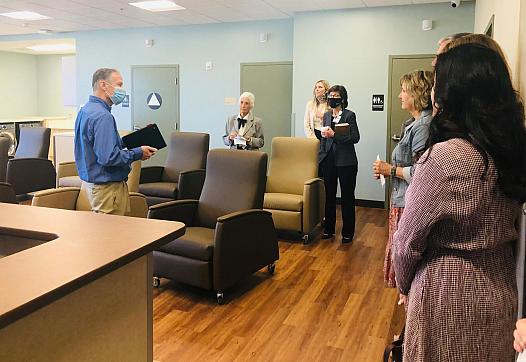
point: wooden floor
(326, 302)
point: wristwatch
(393, 171)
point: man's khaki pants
(109, 198)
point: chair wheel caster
(220, 298)
(271, 268)
(305, 239)
(156, 282)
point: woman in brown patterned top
(453, 251)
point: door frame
(284, 62)
(177, 84)
(389, 109)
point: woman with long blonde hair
(315, 109)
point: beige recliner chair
(294, 194)
(75, 198)
(67, 176)
(228, 236)
(70, 196)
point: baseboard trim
(365, 203)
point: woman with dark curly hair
(454, 248)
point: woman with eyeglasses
(415, 97)
(337, 159)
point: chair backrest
(34, 142)
(83, 203)
(186, 151)
(7, 194)
(293, 161)
(5, 143)
(134, 176)
(30, 174)
(69, 170)
(235, 181)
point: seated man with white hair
(244, 131)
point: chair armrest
(190, 184)
(178, 210)
(151, 174)
(66, 169)
(245, 241)
(59, 198)
(313, 203)
(7, 194)
(313, 181)
(138, 205)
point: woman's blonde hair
(419, 84)
(326, 85)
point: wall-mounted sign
(126, 102)
(154, 101)
(378, 102)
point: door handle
(396, 138)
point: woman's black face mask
(335, 102)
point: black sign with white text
(378, 102)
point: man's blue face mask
(118, 95)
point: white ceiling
(22, 46)
(78, 15)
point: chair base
(156, 282)
(181, 269)
(188, 271)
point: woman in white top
(316, 107)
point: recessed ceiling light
(26, 15)
(157, 5)
(52, 47)
(44, 31)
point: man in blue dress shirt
(103, 163)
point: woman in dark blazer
(337, 159)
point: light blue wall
(30, 85)
(18, 85)
(352, 47)
(49, 83)
(202, 93)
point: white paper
(341, 124)
(382, 177)
(240, 141)
(522, 357)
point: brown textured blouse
(453, 256)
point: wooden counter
(89, 286)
